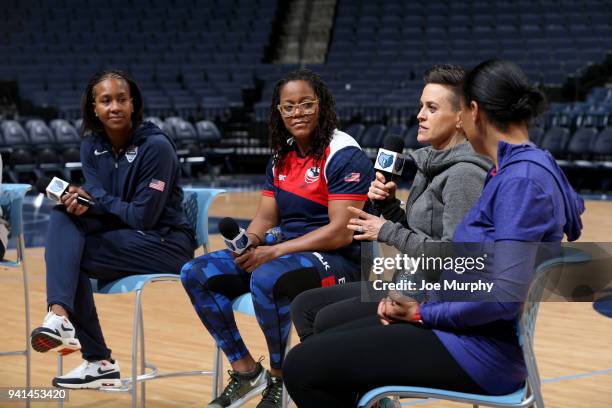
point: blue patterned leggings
(212, 281)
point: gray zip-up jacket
(447, 184)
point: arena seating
(201, 68)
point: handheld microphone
(58, 187)
(235, 237)
(390, 162)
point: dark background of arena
(207, 70)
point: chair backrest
(410, 140)
(196, 202)
(184, 130)
(527, 319)
(39, 132)
(555, 140)
(603, 143)
(208, 132)
(356, 131)
(535, 134)
(14, 134)
(373, 136)
(64, 131)
(11, 199)
(155, 120)
(581, 141)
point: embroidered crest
(312, 175)
(130, 153)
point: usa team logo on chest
(312, 175)
(130, 153)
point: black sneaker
(273, 394)
(241, 387)
(91, 374)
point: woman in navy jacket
(137, 225)
(464, 345)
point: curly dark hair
(90, 122)
(327, 122)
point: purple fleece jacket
(528, 199)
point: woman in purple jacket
(467, 346)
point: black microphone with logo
(56, 188)
(390, 162)
(235, 237)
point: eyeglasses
(307, 108)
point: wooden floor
(572, 339)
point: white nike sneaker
(56, 333)
(91, 374)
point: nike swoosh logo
(101, 371)
(97, 153)
(253, 382)
(64, 328)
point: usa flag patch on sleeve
(353, 178)
(157, 185)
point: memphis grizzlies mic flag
(390, 159)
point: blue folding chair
(196, 202)
(524, 397)
(244, 304)
(11, 199)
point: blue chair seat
(513, 399)
(130, 283)
(244, 304)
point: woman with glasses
(315, 174)
(467, 345)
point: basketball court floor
(573, 341)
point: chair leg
(286, 398)
(135, 350)
(60, 371)
(143, 400)
(218, 373)
(26, 297)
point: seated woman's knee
(262, 280)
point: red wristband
(416, 317)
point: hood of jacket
(432, 162)
(509, 154)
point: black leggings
(337, 364)
(316, 310)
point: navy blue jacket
(140, 185)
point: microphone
(58, 187)
(390, 162)
(235, 237)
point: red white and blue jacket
(304, 188)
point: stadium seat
(410, 139)
(21, 162)
(535, 134)
(395, 130)
(68, 145)
(555, 141)
(373, 136)
(601, 151)
(356, 131)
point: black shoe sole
(42, 340)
